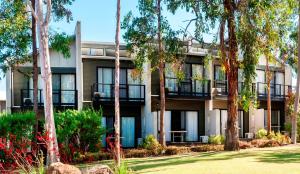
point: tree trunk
(296, 106)
(162, 137)
(35, 70)
(117, 91)
(269, 76)
(43, 37)
(231, 141)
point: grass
(251, 161)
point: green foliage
(61, 42)
(60, 10)
(261, 133)
(17, 124)
(216, 139)
(123, 169)
(80, 128)
(150, 143)
(141, 36)
(15, 37)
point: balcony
(129, 93)
(277, 91)
(222, 87)
(61, 98)
(188, 88)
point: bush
(261, 133)
(207, 148)
(150, 143)
(216, 139)
(138, 153)
(245, 145)
(19, 125)
(173, 150)
(78, 132)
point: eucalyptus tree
(242, 24)
(117, 86)
(151, 39)
(274, 27)
(60, 11)
(43, 21)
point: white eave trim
(105, 57)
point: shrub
(78, 132)
(150, 143)
(138, 153)
(207, 148)
(245, 145)
(19, 125)
(173, 150)
(261, 133)
(81, 129)
(216, 139)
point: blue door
(128, 131)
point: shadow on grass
(281, 157)
(155, 163)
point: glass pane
(105, 81)
(68, 88)
(134, 88)
(219, 74)
(197, 76)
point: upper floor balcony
(278, 91)
(129, 93)
(188, 88)
(60, 98)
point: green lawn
(281, 160)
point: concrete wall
(2, 106)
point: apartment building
(195, 106)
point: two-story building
(195, 106)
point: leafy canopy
(142, 33)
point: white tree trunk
(296, 106)
(42, 26)
(117, 90)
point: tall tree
(60, 11)
(117, 86)
(152, 40)
(43, 38)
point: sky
(98, 21)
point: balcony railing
(59, 97)
(187, 88)
(128, 92)
(221, 87)
(276, 90)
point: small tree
(151, 38)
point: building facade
(195, 106)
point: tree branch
(48, 14)
(32, 11)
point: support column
(9, 90)
(79, 70)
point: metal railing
(187, 87)
(59, 97)
(128, 92)
(276, 90)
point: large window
(63, 88)
(129, 83)
(275, 120)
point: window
(171, 79)
(63, 88)
(129, 84)
(220, 74)
(275, 120)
